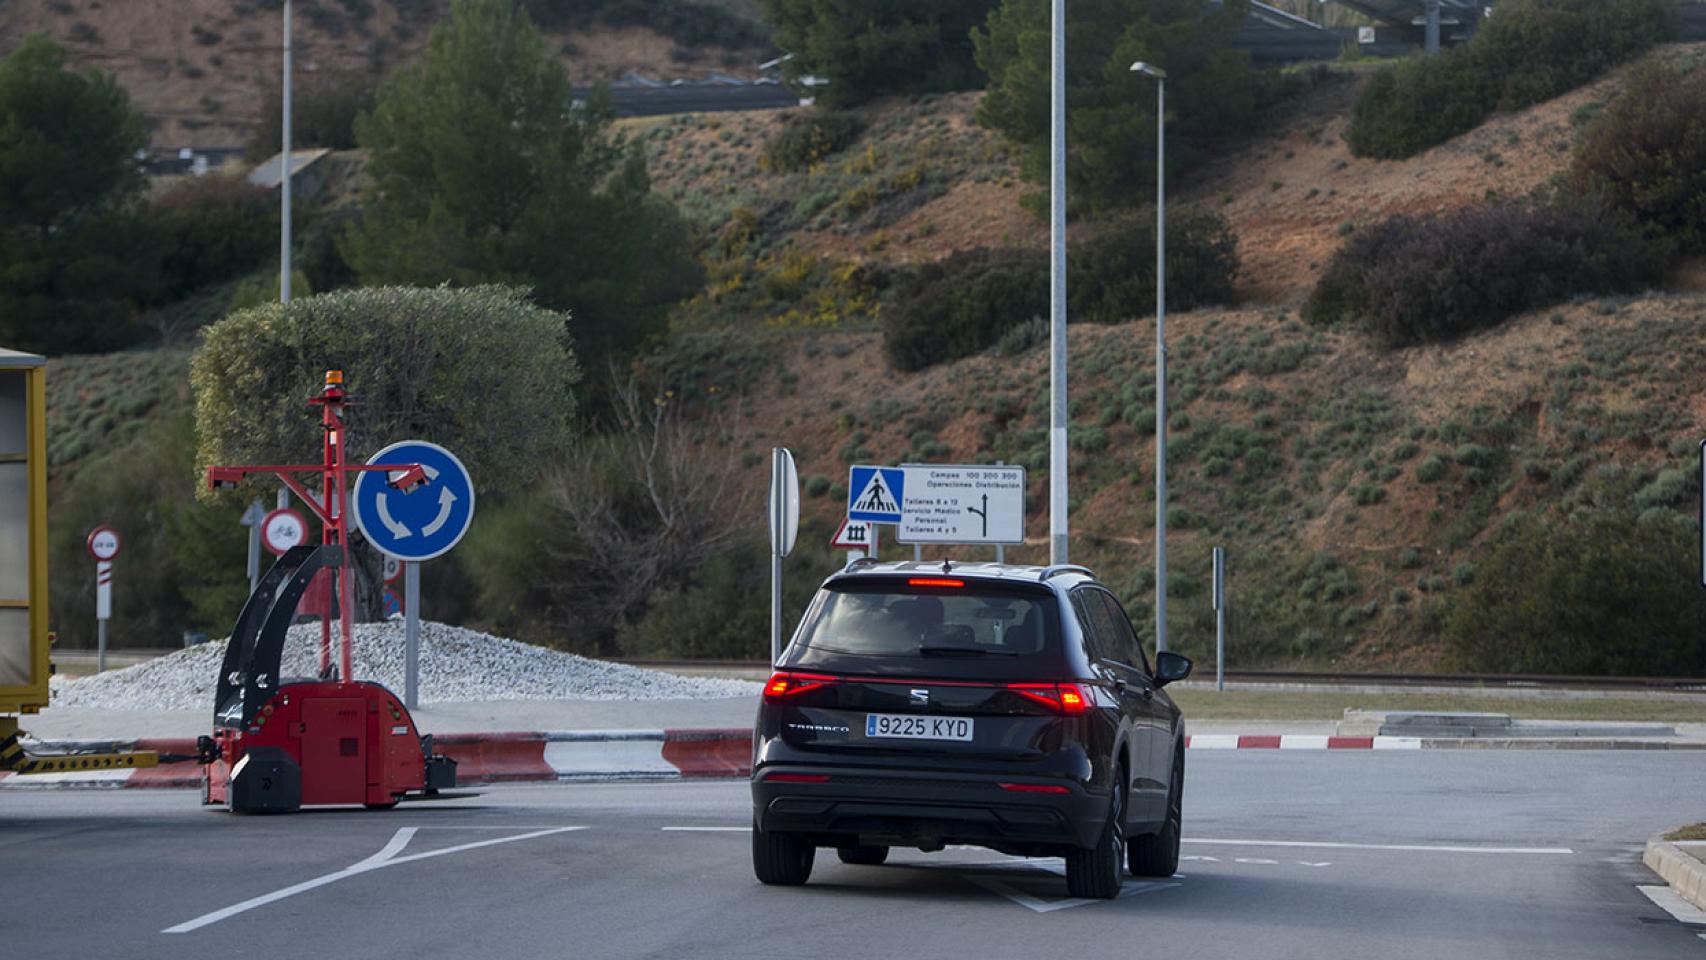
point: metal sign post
(104, 545)
(411, 633)
(1220, 618)
(784, 528)
(252, 518)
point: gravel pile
(456, 665)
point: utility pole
(1057, 489)
(1433, 26)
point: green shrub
(1111, 267)
(1647, 151)
(806, 140)
(1531, 50)
(867, 50)
(1598, 592)
(1431, 469)
(1419, 103)
(1410, 279)
(974, 299)
(212, 229)
(817, 485)
(1670, 489)
(323, 112)
(960, 305)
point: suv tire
(1095, 874)
(781, 859)
(1157, 855)
(863, 854)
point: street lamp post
(1160, 77)
(284, 185)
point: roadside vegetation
(1409, 467)
(1531, 51)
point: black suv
(1009, 707)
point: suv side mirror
(1170, 666)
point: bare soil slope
(200, 69)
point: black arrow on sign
(984, 513)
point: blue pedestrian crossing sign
(426, 521)
(874, 494)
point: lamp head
(1149, 70)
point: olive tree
(480, 370)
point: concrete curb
(520, 757)
(678, 754)
(1685, 874)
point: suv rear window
(886, 626)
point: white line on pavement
(1043, 905)
(1417, 847)
(1674, 905)
(386, 857)
(707, 829)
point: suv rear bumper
(926, 809)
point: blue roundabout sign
(424, 522)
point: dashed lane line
(1401, 847)
(386, 857)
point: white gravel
(457, 665)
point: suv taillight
(785, 686)
(1066, 699)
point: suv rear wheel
(781, 859)
(1095, 873)
(1157, 855)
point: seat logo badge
(920, 697)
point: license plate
(904, 727)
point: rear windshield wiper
(930, 651)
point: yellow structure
(23, 533)
(24, 668)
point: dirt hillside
(199, 69)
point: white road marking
(386, 857)
(1407, 847)
(1042, 905)
(706, 829)
(1673, 904)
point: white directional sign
(943, 503)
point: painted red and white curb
(480, 758)
(723, 753)
(1296, 741)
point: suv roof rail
(1058, 568)
(858, 562)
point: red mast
(331, 506)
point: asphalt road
(1353, 854)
